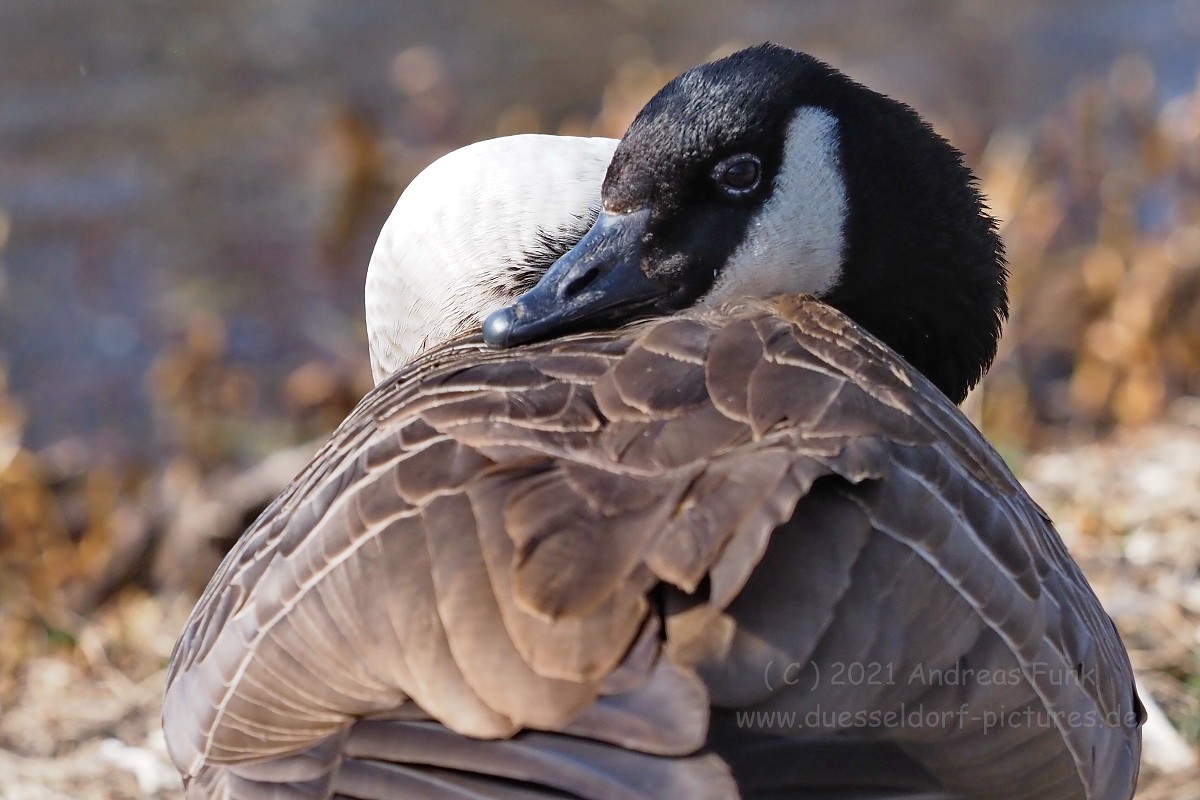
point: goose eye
(738, 175)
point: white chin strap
(795, 244)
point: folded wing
(545, 572)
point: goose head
(475, 229)
(769, 172)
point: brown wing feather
(524, 540)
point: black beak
(598, 283)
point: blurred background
(189, 194)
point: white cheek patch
(795, 244)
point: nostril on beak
(580, 282)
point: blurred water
(157, 159)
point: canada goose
(739, 548)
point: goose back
(630, 563)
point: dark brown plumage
(565, 571)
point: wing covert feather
(558, 537)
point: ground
(84, 721)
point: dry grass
(1102, 224)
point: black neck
(924, 268)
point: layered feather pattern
(631, 565)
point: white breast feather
(439, 265)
